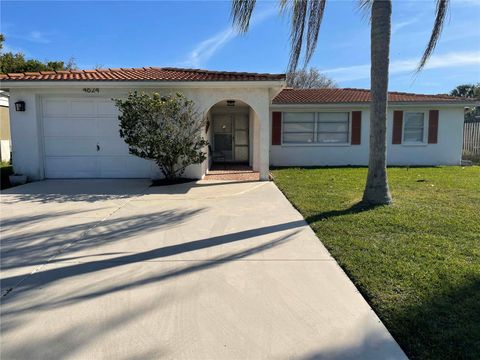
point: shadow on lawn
(444, 326)
(354, 209)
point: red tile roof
(335, 96)
(140, 74)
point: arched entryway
(232, 133)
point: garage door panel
(83, 108)
(107, 108)
(123, 167)
(109, 127)
(71, 167)
(56, 107)
(63, 126)
(111, 146)
(70, 146)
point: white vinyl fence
(471, 140)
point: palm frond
(441, 13)
(283, 5)
(299, 14)
(315, 16)
(365, 8)
(365, 4)
(241, 13)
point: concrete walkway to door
(115, 269)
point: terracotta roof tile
(141, 74)
(335, 96)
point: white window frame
(425, 129)
(315, 129)
(349, 126)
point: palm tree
(306, 18)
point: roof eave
(367, 104)
(17, 84)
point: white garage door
(81, 140)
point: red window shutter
(356, 127)
(433, 127)
(397, 127)
(276, 128)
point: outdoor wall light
(20, 106)
(230, 102)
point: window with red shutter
(276, 128)
(397, 127)
(433, 126)
(356, 127)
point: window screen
(298, 128)
(332, 128)
(413, 130)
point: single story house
(64, 124)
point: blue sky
(198, 34)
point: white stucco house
(64, 124)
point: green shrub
(5, 171)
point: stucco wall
(5, 145)
(25, 132)
(26, 127)
(447, 151)
(4, 123)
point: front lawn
(416, 262)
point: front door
(230, 137)
(240, 138)
(223, 136)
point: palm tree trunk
(376, 189)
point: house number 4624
(91, 90)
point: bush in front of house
(165, 129)
(5, 171)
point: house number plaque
(91, 90)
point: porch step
(232, 172)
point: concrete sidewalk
(113, 269)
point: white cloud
(38, 37)
(34, 36)
(448, 60)
(397, 26)
(474, 3)
(206, 48)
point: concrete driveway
(113, 269)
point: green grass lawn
(417, 262)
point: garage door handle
(98, 147)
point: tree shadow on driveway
(64, 191)
(77, 335)
(56, 274)
(36, 246)
(15, 305)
